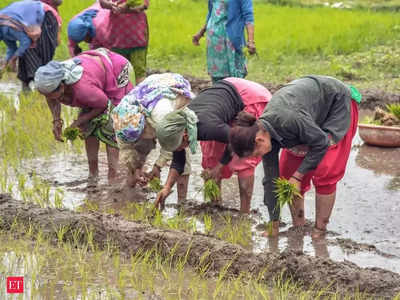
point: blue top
(28, 12)
(10, 36)
(240, 13)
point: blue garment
(27, 12)
(10, 36)
(82, 25)
(240, 13)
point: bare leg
(246, 191)
(92, 150)
(182, 186)
(297, 212)
(112, 159)
(323, 209)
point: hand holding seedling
(161, 196)
(214, 173)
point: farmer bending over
(208, 118)
(20, 21)
(314, 120)
(138, 114)
(95, 81)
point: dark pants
(44, 51)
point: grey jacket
(312, 111)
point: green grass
(291, 41)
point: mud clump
(385, 118)
(131, 237)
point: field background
(356, 43)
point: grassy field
(291, 40)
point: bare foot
(318, 234)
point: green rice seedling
(394, 109)
(286, 192)
(211, 190)
(71, 133)
(133, 3)
(155, 185)
(208, 225)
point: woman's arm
(271, 172)
(251, 45)
(176, 169)
(55, 109)
(196, 38)
(83, 118)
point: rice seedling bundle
(286, 192)
(71, 133)
(394, 109)
(133, 3)
(155, 185)
(211, 190)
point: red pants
(255, 97)
(332, 167)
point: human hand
(214, 173)
(295, 182)
(196, 38)
(161, 196)
(155, 172)
(57, 129)
(251, 46)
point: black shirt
(216, 108)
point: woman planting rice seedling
(95, 81)
(208, 118)
(225, 24)
(128, 32)
(136, 117)
(314, 120)
(20, 21)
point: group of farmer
(238, 122)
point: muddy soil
(311, 272)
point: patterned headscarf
(49, 77)
(82, 25)
(130, 114)
(170, 131)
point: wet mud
(310, 272)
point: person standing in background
(128, 32)
(226, 20)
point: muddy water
(363, 228)
(10, 90)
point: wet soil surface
(130, 237)
(364, 227)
